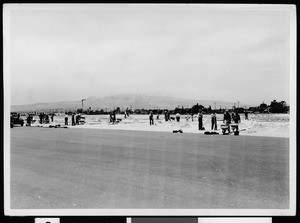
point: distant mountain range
(124, 101)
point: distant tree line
(273, 107)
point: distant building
(267, 110)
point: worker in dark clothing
(151, 118)
(232, 115)
(47, 118)
(29, 120)
(246, 114)
(200, 120)
(73, 119)
(114, 116)
(227, 119)
(166, 116)
(41, 118)
(213, 121)
(66, 119)
(111, 117)
(52, 117)
(237, 119)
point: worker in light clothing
(178, 117)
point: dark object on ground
(57, 126)
(81, 120)
(15, 119)
(172, 118)
(225, 128)
(211, 133)
(177, 131)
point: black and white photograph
(149, 109)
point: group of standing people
(177, 116)
(213, 121)
(235, 117)
(44, 118)
(75, 119)
(227, 118)
(166, 116)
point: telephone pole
(82, 103)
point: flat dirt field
(91, 168)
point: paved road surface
(89, 168)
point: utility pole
(82, 103)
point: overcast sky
(184, 51)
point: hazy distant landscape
(124, 100)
